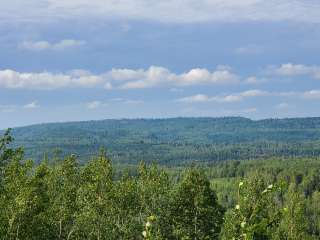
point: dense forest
(172, 142)
(61, 198)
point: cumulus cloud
(46, 80)
(153, 77)
(159, 76)
(195, 98)
(32, 105)
(44, 45)
(290, 69)
(116, 78)
(190, 11)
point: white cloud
(36, 46)
(94, 104)
(203, 76)
(44, 45)
(32, 105)
(253, 93)
(255, 80)
(68, 43)
(252, 80)
(312, 94)
(14, 107)
(282, 106)
(195, 99)
(228, 99)
(159, 76)
(116, 78)
(45, 80)
(108, 86)
(238, 112)
(190, 11)
(98, 104)
(235, 97)
(290, 69)
(200, 98)
(153, 77)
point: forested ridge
(176, 141)
(60, 198)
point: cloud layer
(190, 11)
(153, 77)
(118, 78)
(159, 76)
(46, 80)
(292, 70)
(238, 97)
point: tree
(64, 182)
(195, 212)
(154, 188)
(16, 196)
(36, 224)
(5, 154)
(294, 222)
(257, 214)
(94, 200)
(313, 214)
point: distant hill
(174, 141)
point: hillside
(174, 141)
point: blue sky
(71, 60)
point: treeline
(61, 199)
(177, 141)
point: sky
(74, 60)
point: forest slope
(175, 141)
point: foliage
(256, 214)
(196, 213)
(63, 199)
(177, 141)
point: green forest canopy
(242, 200)
(176, 141)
